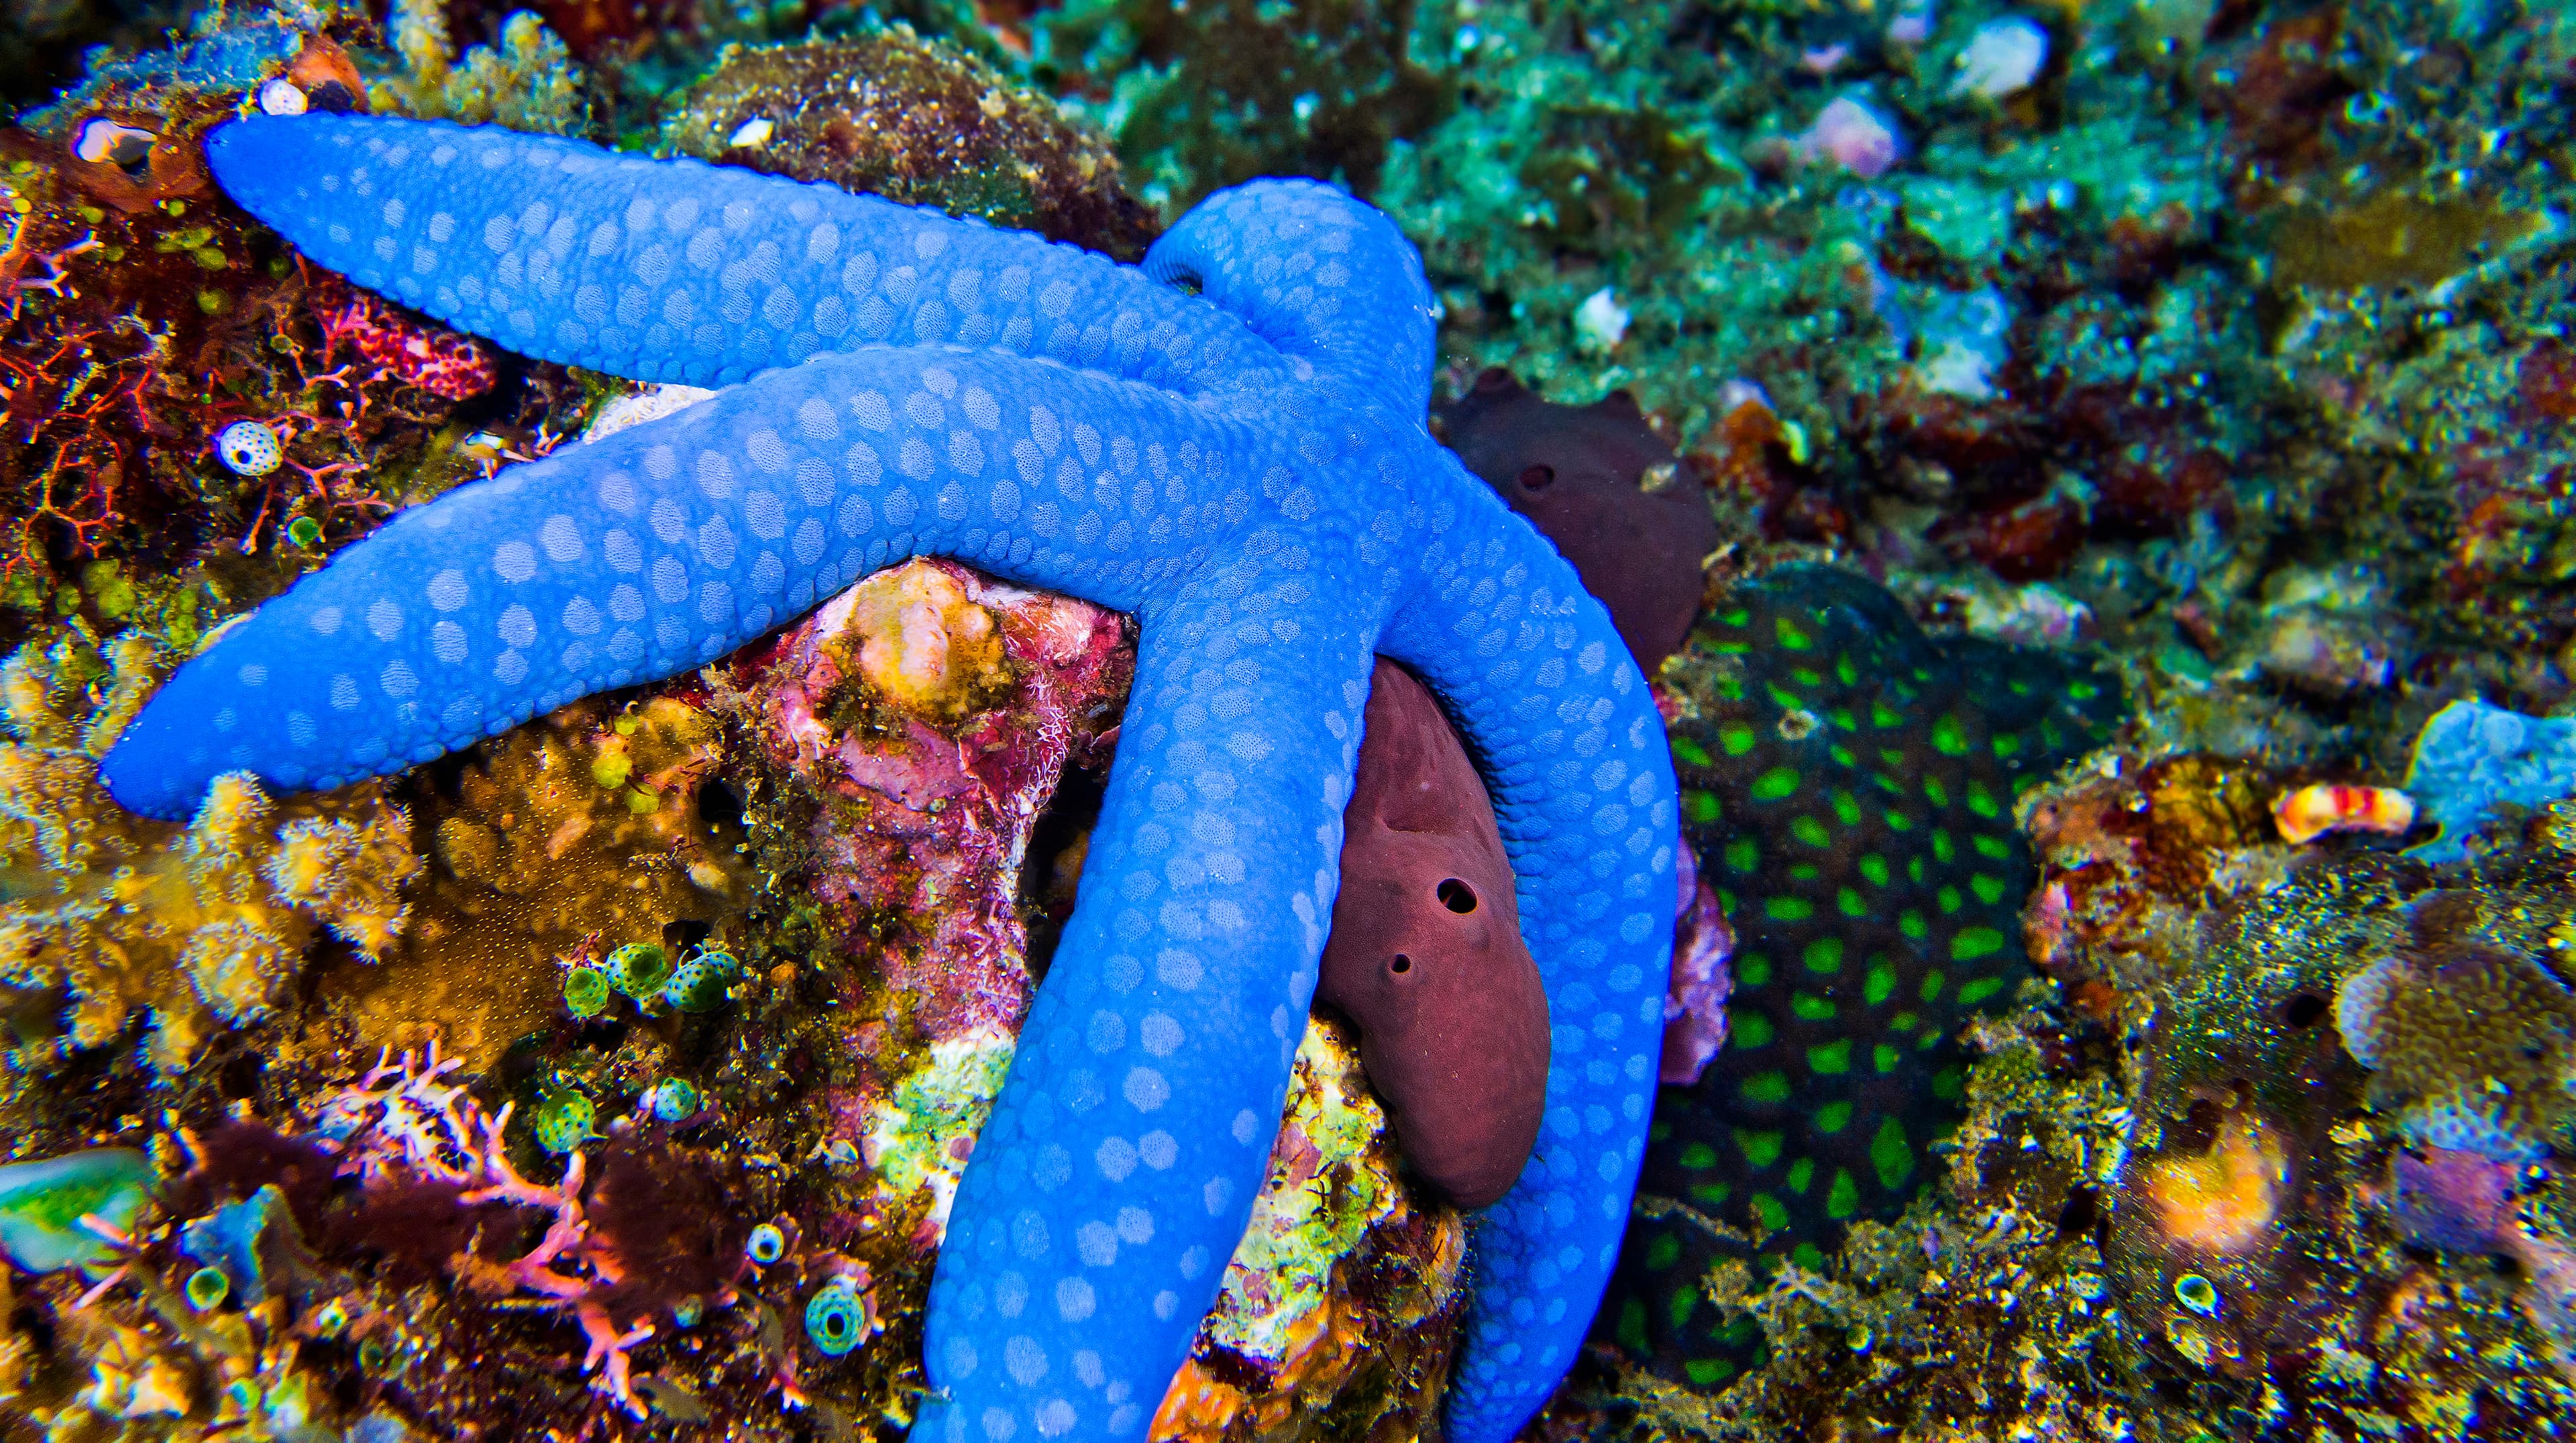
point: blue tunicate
(248, 448)
(836, 1319)
(767, 1244)
(230, 1240)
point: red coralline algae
(919, 724)
(384, 335)
(947, 808)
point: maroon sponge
(1426, 955)
(1573, 471)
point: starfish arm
(665, 546)
(675, 270)
(1574, 756)
(1123, 1156)
(1324, 278)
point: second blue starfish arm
(1319, 275)
(665, 546)
(561, 250)
(1115, 1177)
(1574, 755)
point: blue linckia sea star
(1244, 468)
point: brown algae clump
(917, 121)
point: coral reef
(1209, 95)
(141, 315)
(895, 114)
(2228, 339)
(1342, 1303)
(1847, 783)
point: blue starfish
(1228, 443)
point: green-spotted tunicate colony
(1848, 785)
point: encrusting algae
(593, 829)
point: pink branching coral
(399, 1124)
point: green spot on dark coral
(1874, 867)
(1825, 955)
(1884, 1058)
(1944, 851)
(1776, 783)
(1974, 942)
(1832, 1059)
(1811, 1008)
(1989, 890)
(1910, 922)
(1935, 793)
(1699, 1157)
(1842, 1196)
(1701, 808)
(1766, 1087)
(1690, 753)
(1949, 738)
(1788, 909)
(1663, 1250)
(1993, 849)
(1802, 1175)
(1811, 831)
(1978, 989)
(1833, 1117)
(1743, 854)
(1737, 738)
(1879, 983)
(1760, 1149)
(2006, 744)
(1891, 1154)
(1791, 634)
(1849, 903)
(1748, 1029)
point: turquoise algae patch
(42, 1204)
(1848, 785)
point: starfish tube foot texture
(1228, 442)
